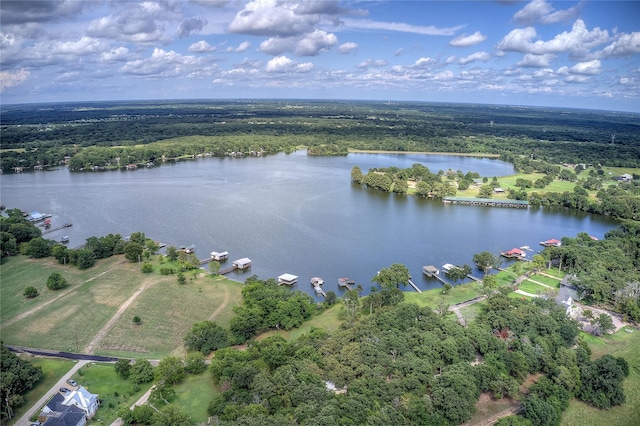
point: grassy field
(551, 282)
(622, 344)
(193, 395)
(93, 298)
(114, 391)
(329, 320)
(53, 369)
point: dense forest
(99, 135)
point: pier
(486, 202)
(226, 271)
(415, 287)
(433, 272)
(57, 228)
(346, 283)
(474, 278)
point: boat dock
(486, 202)
(474, 278)
(415, 287)
(316, 282)
(57, 228)
(346, 283)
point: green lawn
(622, 344)
(194, 394)
(531, 287)
(555, 273)
(329, 320)
(551, 282)
(432, 298)
(114, 391)
(53, 369)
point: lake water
(293, 214)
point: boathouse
(287, 279)
(346, 282)
(219, 256)
(315, 281)
(448, 267)
(486, 202)
(551, 243)
(514, 253)
(243, 263)
(430, 270)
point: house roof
(515, 251)
(82, 398)
(552, 241)
(71, 416)
(288, 277)
(242, 261)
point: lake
(292, 213)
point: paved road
(35, 409)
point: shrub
(147, 267)
(30, 292)
(56, 281)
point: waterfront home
(514, 253)
(551, 243)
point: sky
(582, 54)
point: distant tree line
(34, 137)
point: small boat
(64, 239)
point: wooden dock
(474, 278)
(57, 228)
(415, 287)
(228, 270)
(439, 278)
(346, 283)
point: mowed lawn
(620, 344)
(70, 318)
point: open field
(622, 344)
(531, 287)
(329, 320)
(53, 369)
(93, 298)
(551, 282)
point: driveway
(35, 409)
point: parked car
(64, 391)
(72, 382)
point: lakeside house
(74, 408)
(551, 243)
(243, 263)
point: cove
(293, 213)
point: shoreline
(458, 154)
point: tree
(172, 253)
(459, 273)
(602, 382)
(485, 191)
(400, 186)
(171, 415)
(137, 320)
(394, 276)
(356, 175)
(181, 278)
(205, 337)
(331, 298)
(56, 281)
(133, 251)
(8, 244)
(123, 367)
(194, 363)
(141, 371)
(84, 258)
(485, 261)
(170, 370)
(454, 395)
(16, 376)
(30, 292)
(538, 263)
(39, 248)
(602, 324)
(489, 283)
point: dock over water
(486, 202)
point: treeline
(17, 376)
(407, 365)
(606, 270)
(44, 136)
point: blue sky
(583, 54)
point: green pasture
(626, 345)
(329, 320)
(94, 296)
(114, 391)
(53, 369)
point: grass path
(222, 306)
(109, 325)
(59, 296)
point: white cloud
(67, 77)
(314, 43)
(347, 47)
(373, 63)
(281, 64)
(466, 41)
(13, 78)
(576, 41)
(201, 47)
(272, 18)
(366, 24)
(115, 55)
(477, 56)
(164, 63)
(242, 47)
(277, 45)
(424, 63)
(543, 12)
(587, 68)
(537, 61)
(625, 45)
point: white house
(83, 399)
